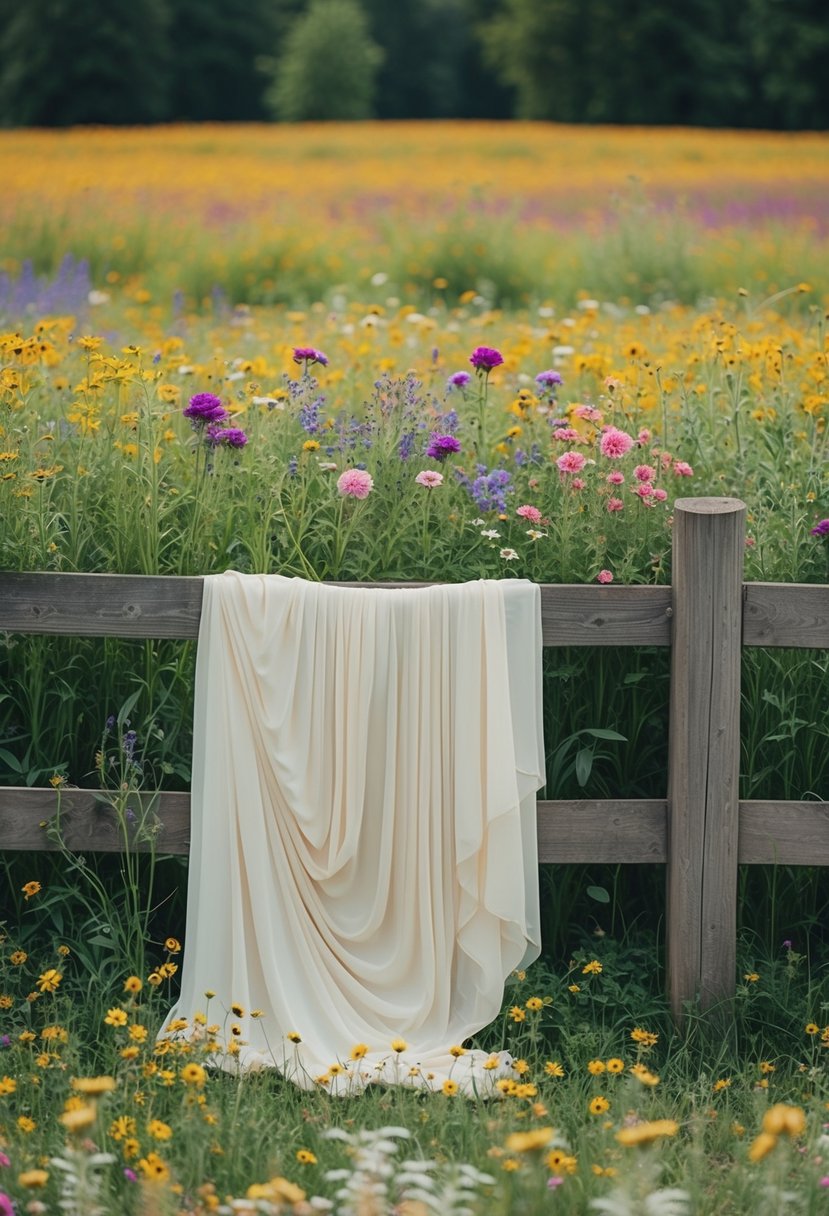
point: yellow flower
(781, 1119)
(116, 1017)
(93, 1086)
(166, 970)
(130, 1053)
(79, 1119)
(643, 1075)
(18, 958)
(133, 984)
(553, 1069)
(305, 1157)
(751, 977)
(159, 1130)
(26, 1124)
(358, 1051)
(138, 1033)
(449, 1088)
(594, 967)
(153, 1168)
(534, 1004)
(646, 1037)
(193, 1074)
(761, 1146)
(510, 1164)
(6, 1002)
(596, 1067)
(528, 1142)
(310, 445)
(517, 1014)
(598, 1105)
(8, 1085)
(457, 1052)
(766, 1067)
(49, 981)
(811, 1028)
(520, 1066)
(31, 888)
(399, 1045)
(574, 988)
(33, 1178)
(615, 1065)
(645, 1133)
(293, 1037)
(721, 1084)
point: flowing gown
(363, 869)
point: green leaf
(599, 733)
(599, 894)
(584, 765)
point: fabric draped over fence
(363, 864)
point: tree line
(751, 63)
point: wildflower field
(410, 352)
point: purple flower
(204, 408)
(230, 436)
(129, 1174)
(549, 379)
(309, 354)
(5, 1041)
(821, 529)
(6, 1208)
(441, 446)
(458, 380)
(484, 358)
(128, 744)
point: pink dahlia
(615, 443)
(355, 483)
(571, 462)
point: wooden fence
(701, 831)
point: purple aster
(821, 529)
(204, 408)
(484, 358)
(458, 380)
(549, 379)
(309, 354)
(441, 446)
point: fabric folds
(363, 866)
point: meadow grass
(686, 309)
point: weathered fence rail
(701, 832)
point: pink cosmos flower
(355, 483)
(659, 494)
(682, 469)
(615, 443)
(429, 478)
(616, 478)
(604, 576)
(615, 504)
(644, 472)
(571, 462)
(529, 512)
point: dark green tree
(66, 62)
(327, 65)
(216, 50)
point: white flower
(273, 403)
(491, 534)
(509, 555)
(377, 280)
(587, 304)
(98, 297)
(559, 352)
(534, 534)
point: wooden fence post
(704, 750)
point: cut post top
(709, 506)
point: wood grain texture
(784, 833)
(144, 606)
(704, 749)
(87, 821)
(630, 830)
(786, 614)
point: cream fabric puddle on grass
(363, 865)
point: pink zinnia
(615, 443)
(616, 478)
(429, 478)
(604, 576)
(571, 462)
(355, 483)
(644, 472)
(615, 504)
(682, 469)
(529, 512)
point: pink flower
(615, 504)
(578, 483)
(571, 462)
(554, 1182)
(604, 576)
(529, 512)
(682, 469)
(644, 490)
(659, 494)
(666, 459)
(566, 434)
(615, 443)
(644, 472)
(643, 437)
(355, 483)
(824, 1181)
(6, 1208)
(616, 478)
(429, 478)
(588, 413)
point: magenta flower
(644, 472)
(484, 358)
(355, 483)
(566, 434)
(616, 478)
(6, 1208)
(530, 513)
(459, 380)
(230, 436)
(204, 408)
(615, 443)
(615, 504)
(308, 355)
(429, 478)
(821, 529)
(659, 494)
(643, 437)
(604, 576)
(682, 469)
(441, 446)
(571, 462)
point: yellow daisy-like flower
(761, 1146)
(193, 1074)
(598, 1105)
(517, 1014)
(293, 1037)
(574, 988)
(31, 889)
(751, 977)
(594, 967)
(93, 1087)
(159, 1130)
(782, 1119)
(491, 1063)
(79, 1119)
(643, 1075)
(116, 1017)
(399, 1045)
(153, 1168)
(811, 1028)
(133, 984)
(647, 1132)
(8, 1085)
(18, 958)
(238, 1011)
(721, 1084)
(359, 1051)
(645, 1037)
(33, 1178)
(528, 1142)
(457, 1052)
(49, 981)
(766, 1067)
(449, 1088)
(534, 1004)
(553, 1069)
(26, 1124)
(305, 1157)
(615, 1065)
(596, 1067)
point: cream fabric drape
(363, 864)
